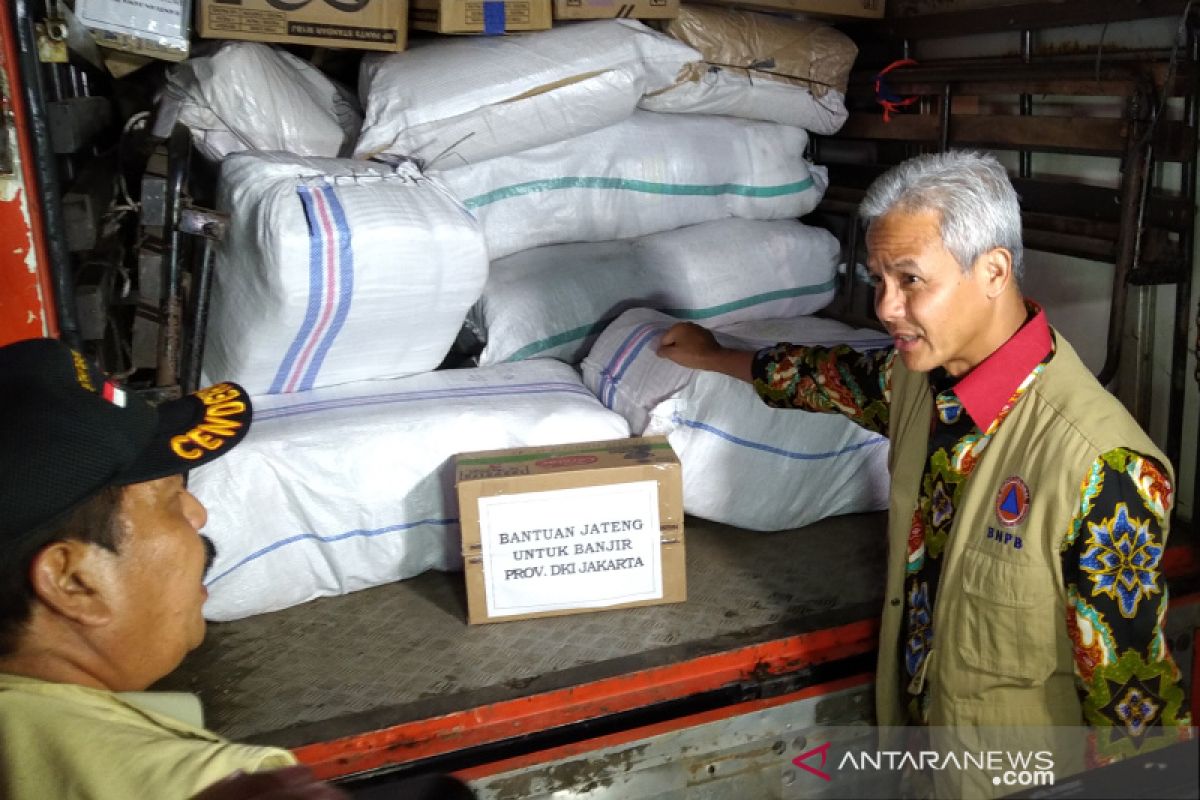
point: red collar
(985, 389)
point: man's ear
(70, 578)
(994, 270)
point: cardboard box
(477, 16)
(154, 30)
(548, 531)
(863, 9)
(378, 25)
(607, 9)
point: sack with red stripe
(335, 271)
(744, 463)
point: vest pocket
(1007, 622)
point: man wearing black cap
(100, 586)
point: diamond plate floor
(341, 665)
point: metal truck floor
(339, 666)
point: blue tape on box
(493, 17)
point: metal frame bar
(179, 150)
(48, 191)
(1017, 17)
(25, 279)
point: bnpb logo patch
(1012, 502)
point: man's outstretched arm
(823, 379)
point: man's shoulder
(1068, 390)
(55, 735)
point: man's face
(156, 581)
(935, 313)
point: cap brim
(191, 432)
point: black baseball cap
(66, 433)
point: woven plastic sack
(760, 66)
(248, 96)
(450, 102)
(552, 302)
(336, 271)
(338, 489)
(647, 174)
(744, 463)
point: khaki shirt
(70, 742)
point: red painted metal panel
(26, 296)
(425, 738)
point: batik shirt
(1111, 553)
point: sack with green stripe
(650, 173)
(552, 302)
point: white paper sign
(589, 547)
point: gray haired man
(1028, 512)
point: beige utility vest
(1000, 653)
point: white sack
(450, 102)
(553, 301)
(248, 96)
(338, 489)
(760, 66)
(335, 271)
(742, 94)
(744, 463)
(649, 173)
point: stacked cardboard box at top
(378, 25)
(480, 16)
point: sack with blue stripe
(553, 301)
(744, 463)
(335, 271)
(338, 489)
(649, 173)
(452, 101)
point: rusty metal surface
(741, 757)
(342, 665)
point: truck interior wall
(1076, 292)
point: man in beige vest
(101, 563)
(1028, 512)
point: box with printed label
(480, 16)
(362, 25)
(865, 9)
(153, 28)
(548, 531)
(607, 9)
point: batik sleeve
(1116, 607)
(827, 379)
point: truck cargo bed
(340, 666)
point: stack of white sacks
(513, 182)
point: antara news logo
(1007, 768)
